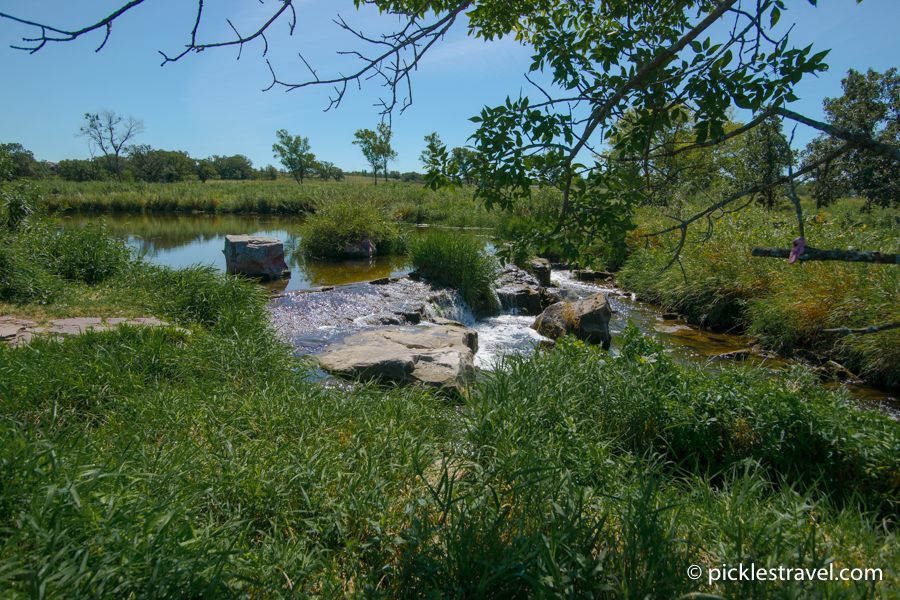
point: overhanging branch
(838, 255)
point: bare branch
(862, 330)
(838, 255)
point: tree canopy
(376, 147)
(870, 105)
(294, 153)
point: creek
(311, 319)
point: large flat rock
(439, 356)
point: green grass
(153, 463)
(144, 463)
(459, 262)
(334, 227)
(784, 305)
(403, 202)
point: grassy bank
(147, 464)
(152, 463)
(408, 203)
(723, 287)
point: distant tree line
(143, 163)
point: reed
(459, 262)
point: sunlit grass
(718, 284)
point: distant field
(401, 202)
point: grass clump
(460, 262)
(338, 225)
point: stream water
(310, 319)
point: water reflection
(180, 240)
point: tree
(110, 132)
(294, 154)
(232, 167)
(435, 152)
(160, 166)
(326, 170)
(205, 170)
(376, 147)
(765, 159)
(21, 162)
(466, 161)
(869, 106)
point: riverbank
(147, 462)
(400, 202)
(719, 285)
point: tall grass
(162, 465)
(340, 224)
(459, 262)
(721, 286)
(157, 463)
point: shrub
(22, 277)
(202, 295)
(460, 262)
(89, 254)
(339, 224)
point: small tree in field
(293, 152)
(376, 147)
(110, 132)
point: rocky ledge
(440, 356)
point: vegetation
(339, 224)
(376, 147)
(870, 105)
(459, 262)
(212, 464)
(110, 132)
(407, 203)
(294, 153)
(717, 285)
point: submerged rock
(255, 256)
(586, 319)
(360, 249)
(439, 357)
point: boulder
(523, 298)
(540, 268)
(255, 256)
(360, 249)
(553, 295)
(586, 319)
(519, 289)
(589, 275)
(439, 357)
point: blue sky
(211, 103)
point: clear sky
(212, 103)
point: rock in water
(439, 357)
(360, 249)
(540, 268)
(586, 319)
(255, 256)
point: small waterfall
(450, 306)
